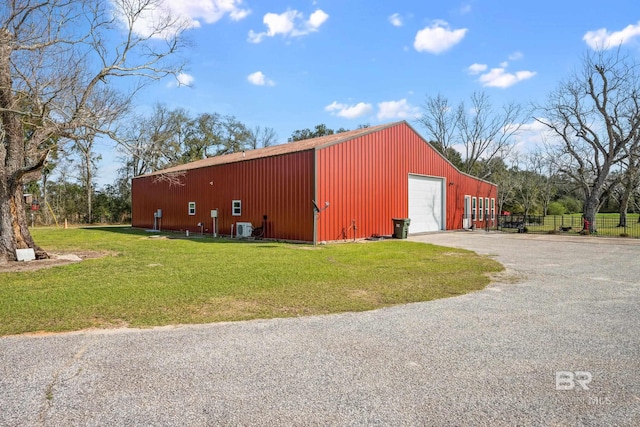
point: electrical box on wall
(159, 213)
(214, 213)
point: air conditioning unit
(243, 229)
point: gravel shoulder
(486, 358)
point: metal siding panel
(280, 187)
(366, 179)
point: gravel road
(556, 341)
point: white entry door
(466, 219)
(426, 204)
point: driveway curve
(555, 341)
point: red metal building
(359, 180)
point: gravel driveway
(555, 342)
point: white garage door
(425, 204)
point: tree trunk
(14, 230)
(45, 200)
(630, 182)
(624, 206)
(591, 206)
(89, 204)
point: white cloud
(259, 79)
(209, 11)
(477, 68)
(316, 19)
(186, 14)
(396, 20)
(603, 39)
(504, 64)
(532, 137)
(438, 38)
(465, 9)
(515, 56)
(182, 79)
(349, 111)
(498, 77)
(290, 23)
(397, 110)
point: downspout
(315, 195)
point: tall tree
(487, 134)
(318, 130)
(441, 121)
(88, 167)
(507, 183)
(155, 141)
(262, 137)
(61, 57)
(595, 114)
(527, 190)
(449, 153)
(544, 166)
(234, 136)
(202, 134)
(629, 180)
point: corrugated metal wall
(280, 187)
(366, 182)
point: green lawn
(158, 281)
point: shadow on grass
(175, 235)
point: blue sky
(293, 64)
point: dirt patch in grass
(56, 259)
(454, 254)
(365, 296)
(226, 307)
(507, 277)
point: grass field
(145, 281)
(606, 225)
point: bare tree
(629, 180)
(507, 183)
(262, 137)
(487, 134)
(595, 114)
(527, 190)
(540, 163)
(58, 61)
(441, 121)
(153, 142)
(88, 167)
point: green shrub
(556, 208)
(571, 204)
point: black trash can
(401, 227)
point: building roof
(276, 150)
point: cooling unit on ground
(243, 229)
